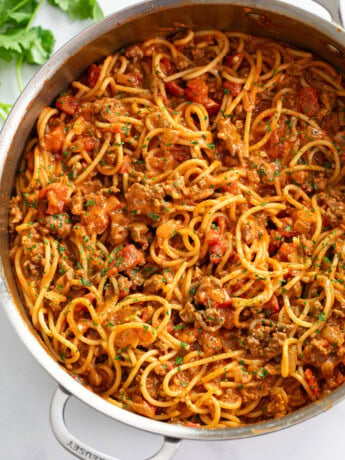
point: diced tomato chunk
(211, 106)
(170, 327)
(57, 194)
(228, 303)
(232, 59)
(168, 66)
(274, 146)
(126, 163)
(212, 237)
(67, 104)
(309, 101)
(126, 258)
(174, 89)
(272, 306)
(326, 222)
(179, 152)
(237, 286)
(277, 237)
(54, 140)
(96, 218)
(232, 187)
(276, 240)
(93, 74)
(217, 245)
(89, 143)
(112, 204)
(233, 88)
(277, 144)
(312, 382)
(217, 251)
(197, 90)
(122, 294)
(287, 253)
(188, 334)
(228, 315)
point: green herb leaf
(16, 12)
(179, 360)
(153, 216)
(262, 373)
(41, 48)
(34, 45)
(15, 41)
(322, 316)
(79, 9)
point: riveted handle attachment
(83, 451)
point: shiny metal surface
(261, 17)
(82, 450)
(334, 9)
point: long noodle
(177, 228)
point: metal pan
(269, 18)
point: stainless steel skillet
(270, 18)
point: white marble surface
(26, 390)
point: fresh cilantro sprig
(23, 42)
(79, 9)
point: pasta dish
(177, 228)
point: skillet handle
(83, 451)
(334, 9)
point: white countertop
(26, 390)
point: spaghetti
(177, 228)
